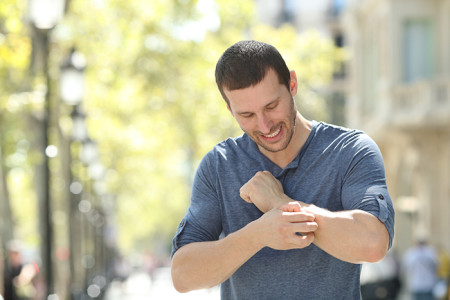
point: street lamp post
(71, 89)
(44, 15)
(72, 78)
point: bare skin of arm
(353, 236)
(206, 264)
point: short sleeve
(202, 221)
(364, 184)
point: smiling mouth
(273, 134)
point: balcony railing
(424, 104)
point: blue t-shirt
(337, 169)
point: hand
(265, 191)
(279, 229)
(293, 206)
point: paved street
(139, 286)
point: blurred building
(395, 87)
(399, 93)
(323, 16)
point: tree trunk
(6, 226)
(6, 223)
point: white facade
(399, 93)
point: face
(15, 258)
(266, 112)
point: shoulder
(224, 160)
(227, 151)
(335, 132)
(343, 139)
(231, 149)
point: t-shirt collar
(268, 165)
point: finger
(304, 227)
(246, 197)
(301, 228)
(270, 176)
(306, 239)
(291, 207)
(296, 217)
(302, 241)
(258, 174)
(243, 193)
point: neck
(301, 133)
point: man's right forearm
(207, 264)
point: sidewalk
(139, 286)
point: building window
(337, 7)
(336, 108)
(340, 71)
(418, 49)
(369, 68)
(288, 11)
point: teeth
(273, 134)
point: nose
(264, 123)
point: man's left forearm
(353, 236)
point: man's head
(14, 253)
(259, 89)
(246, 63)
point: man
(18, 276)
(316, 202)
(420, 265)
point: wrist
(254, 235)
(282, 200)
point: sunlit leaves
(15, 47)
(151, 100)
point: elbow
(179, 278)
(178, 282)
(179, 287)
(376, 243)
(376, 249)
(182, 276)
(375, 255)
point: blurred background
(106, 108)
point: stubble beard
(289, 131)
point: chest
(306, 184)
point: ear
(229, 109)
(293, 85)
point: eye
(246, 115)
(272, 106)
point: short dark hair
(246, 63)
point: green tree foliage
(16, 104)
(152, 101)
(150, 96)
